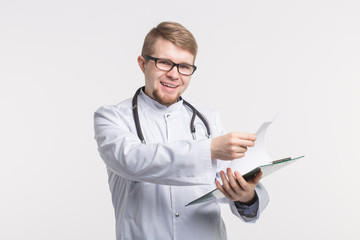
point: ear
(141, 62)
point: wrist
(251, 200)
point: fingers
(246, 143)
(233, 182)
(237, 145)
(221, 189)
(232, 145)
(238, 149)
(231, 188)
(247, 136)
(253, 181)
(226, 189)
(242, 182)
(236, 155)
(257, 178)
(242, 139)
(236, 187)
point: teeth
(168, 85)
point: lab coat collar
(158, 106)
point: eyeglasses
(167, 65)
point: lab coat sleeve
(180, 163)
(263, 201)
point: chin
(166, 100)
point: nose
(173, 74)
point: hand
(232, 145)
(238, 189)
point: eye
(185, 66)
(164, 62)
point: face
(165, 87)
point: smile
(168, 85)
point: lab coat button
(177, 214)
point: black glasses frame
(173, 65)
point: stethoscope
(192, 126)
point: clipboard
(266, 169)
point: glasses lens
(186, 69)
(164, 64)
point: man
(157, 165)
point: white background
(61, 60)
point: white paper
(255, 156)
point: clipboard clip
(281, 160)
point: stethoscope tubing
(192, 126)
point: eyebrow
(176, 62)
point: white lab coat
(150, 184)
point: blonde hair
(173, 32)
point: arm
(177, 163)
